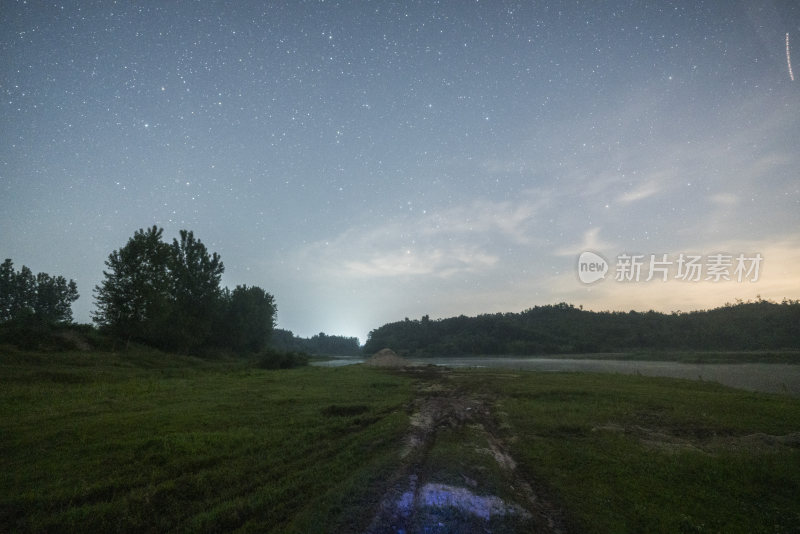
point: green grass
(152, 442)
(633, 454)
(142, 441)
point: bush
(272, 359)
(32, 332)
(36, 334)
(26, 333)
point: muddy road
(456, 473)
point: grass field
(148, 442)
(631, 454)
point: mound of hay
(387, 358)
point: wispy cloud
(509, 219)
(591, 241)
(440, 262)
(640, 192)
(724, 199)
(456, 240)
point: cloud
(441, 262)
(724, 199)
(643, 191)
(591, 241)
(444, 243)
(511, 220)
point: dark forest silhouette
(317, 344)
(563, 329)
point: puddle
(444, 496)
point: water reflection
(767, 377)
(339, 362)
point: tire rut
(414, 504)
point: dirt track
(430, 498)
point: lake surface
(767, 377)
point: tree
(195, 289)
(24, 295)
(250, 318)
(54, 298)
(136, 288)
(195, 274)
(7, 292)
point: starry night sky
(367, 161)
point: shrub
(272, 359)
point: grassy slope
(151, 442)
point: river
(766, 377)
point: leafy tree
(54, 298)
(46, 298)
(284, 340)
(194, 277)
(24, 293)
(7, 290)
(195, 273)
(136, 289)
(250, 318)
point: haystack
(387, 358)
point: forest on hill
(321, 343)
(564, 329)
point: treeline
(318, 344)
(563, 329)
